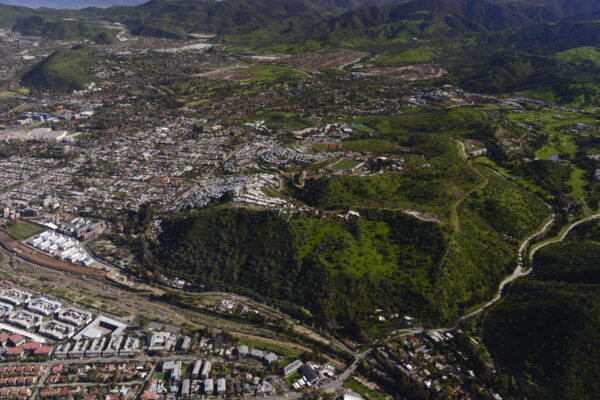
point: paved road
(330, 387)
(40, 383)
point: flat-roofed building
(206, 369)
(15, 297)
(24, 319)
(196, 368)
(114, 346)
(185, 388)
(131, 346)
(44, 306)
(162, 341)
(79, 348)
(56, 330)
(74, 316)
(209, 386)
(5, 309)
(101, 326)
(96, 347)
(221, 386)
(62, 350)
(292, 367)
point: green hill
(386, 259)
(339, 270)
(59, 30)
(63, 70)
(545, 333)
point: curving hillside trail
(517, 273)
(562, 237)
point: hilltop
(71, 4)
(64, 70)
(402, 264)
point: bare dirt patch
(237, 74)
(322, 60)
(415, 72)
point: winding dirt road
(519, 272)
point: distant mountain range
(71, 4)
(328, 21)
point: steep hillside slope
(64, 70)
(71, 4)
(545, 333)
(385, 259)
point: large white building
(56, 330)
(44, 306)
(74, 316)
(61, 246)
(24, 319)
(14, 296)
(36, 135)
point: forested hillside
(386, 258)
(544, 335)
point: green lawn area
(371, 145)
(23, 230)
(559, 141)
(418, 54)
(344, 164)
(197, 90)
(362, 128)
(271, 192)
(158, 375)
(290, 380)
(282, 119)
(7, 94)
(266, 73)
(578, 183)
(320, 147)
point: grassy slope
(64, 70)
(23, 230)
(405, 265)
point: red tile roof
(14, 351)
(32, 345)
(43, 350)
(16, 339)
